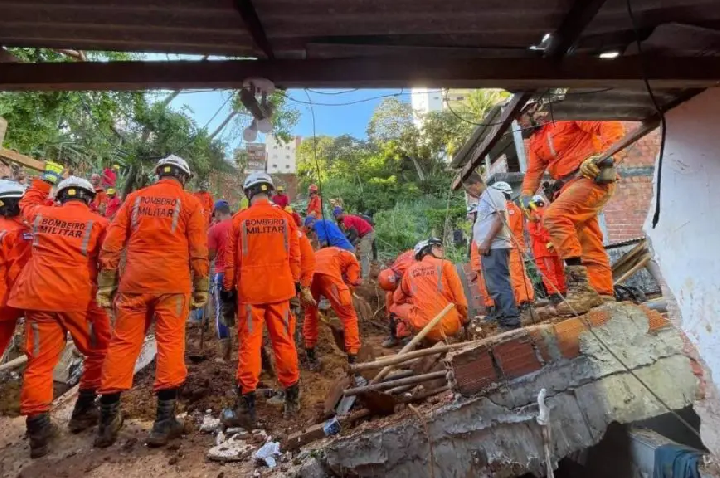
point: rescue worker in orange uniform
(427, 287)
(389, 279)
(56, 289)
(337, 272)
(568, 150)
(547, 259)
(15, 249)
(100, 201)
(521, 283)
(206, 199)
(262, 273)
(163, 231)
(314, 207)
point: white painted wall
(686, 241)
(281, 156)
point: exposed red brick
(567, 334)
(656, 320)
(597, 317)
(516, 357)
(473, 371)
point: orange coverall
(263, 260)
(399, 267)
(426, 288)
(307, 259)
(57, 291)
(206, 200)
(476, 266)
(335, 269)
(547, 259)
(314, 207)
(522, 286)
(162, 228)
(100, 201)
(15, 250)
(572, 218)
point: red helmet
(387, 280)
(313, 188)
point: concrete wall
(686, 238)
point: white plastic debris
(236, 431)
(267, 453)
(209, 424)
(232, 450)
(220, 438)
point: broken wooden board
(335, 395)
(629, 259)
(299, 439)
(366, 354)
(21, 159)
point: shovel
(200, 356)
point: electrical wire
(332, 93)
(195, 137)
(658, 109)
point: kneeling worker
(262, 266)
(427, 287)
(336, 271)
(57, 291)
(389, 279)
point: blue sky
(329, 120)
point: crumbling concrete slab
(495, 433)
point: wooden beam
(254, 26)
(21, 159)
(510, 111)
(519, 73)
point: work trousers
(338, 293)
(281, 329)
(45, 338)
(364, 253)
(553, 274)
(401, 328)
(415, 321)
(521, 284)
(9, 317)
(496, 272)
(223, 331)
(572, 221)
(134, 315)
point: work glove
(107, 281)
(306, 297)
(201, 292)
(549, 246)
(295, 302)
(589, 168)
(52, 172)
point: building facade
(281, 156)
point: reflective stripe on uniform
(285, 236)
(179, 305)
(243, 238)
(86, 238)
(439, 280)
(135, 212)
(36, 227)
(36, 339)
(249, 318)
(286, 321)
(176, 215)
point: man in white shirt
(492, 239)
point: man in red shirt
(113, 204)
(217, 238)
(361, 234)
(281, 199)
(100, 201)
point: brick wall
(626, 211)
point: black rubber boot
(352, 359)
(166, 426)
(392, 339)
(85, 414)
(313, 362)
(40, 431)
(244, 415)
(292, 400)
(555, 299)
(111, 420)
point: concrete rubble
(493, 431)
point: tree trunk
(222, 126)
(418, 168)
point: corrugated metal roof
(300, 28)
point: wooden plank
(3, 130)
(519, 73)
(21, 159)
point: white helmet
(503, 187)
(425, 245)
(538, 198)
(172, 160)
(68, 189)
(11, 189)
(256, 179)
